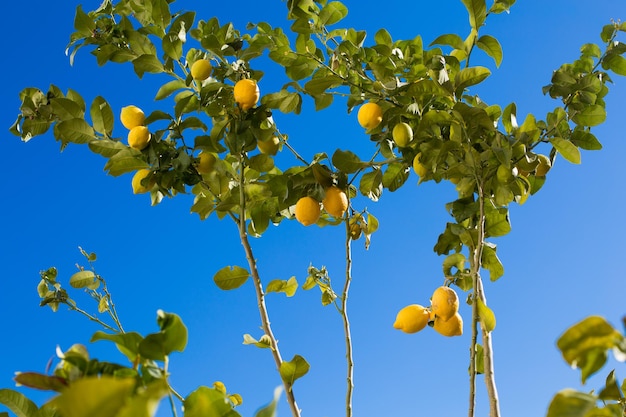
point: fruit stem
(346, 322)
(260, 295)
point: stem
(479, 294)
(74, 307)
(260, 295)
(346, 322)
(472, 371)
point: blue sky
(562, 259)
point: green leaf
(143, 403)
(332, 13)
(102, 116)
(264, 342)
(382, 37)
(455, 260)
(82, 279)
(571, 403)
(106, 147)
(147, 63)
(75, 131)
(611, 390)
(231, 277)
(18, 403)
(284, 100)
(169, 88)
(450, 39)
(270, 409)
(491, 262)
(615, 63)
(40, 381)
(477, 10)
(371, 184)
(585, 140)
(83, 23)
(294, 369)
(127, 343)
(492, 47)
(487, 318)
(497, 222)
(102, 396)
(582, 344)
(590, 116)
(346, 161)
(208, 402)
(126, 160)
(395, 175)
(566, 148)
(468, 77)
(320, 85)
(288, 287)
(479, 359)
(172, 337)
(509, 118)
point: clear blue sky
(563, 258)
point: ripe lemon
(402, 134)
(418, 167)
(270, 146)
(201, 69)
(412, 318)
(451, 327)
(335, 202)
(138, 137)
(132, 116)
(544, 165)
(206, 162)
(246, 93)
(138, 188)
(307, 210)
(370, 115)
(444, 303)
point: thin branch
(346, 322)
(260, 295)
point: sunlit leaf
(208, 402)
(288, 287)
(590, 116)
(332, 13)
(492, 47)
(487, 318)
(147, 63)
(295, 368)
(172, 337)
(75, 131)
(477, 10)
(571, 403)
(566, 148)
(127, 343)
(146, 401)
(270, 409)
(231, 277)
(371, 184)
(102, 116)
(470, 76)
(18, 403)
(169, 88)
(346, 161)
(491, 262)
(82, 279)
(263, 343)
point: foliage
(480, 147)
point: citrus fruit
(246, 93)
(138, 137)
(370, 115)
(138, 188)
(418, 167)
(335, 202)
(132, 116)
(412, 318)
(451, 327)
(444, 302)
(544, 165)
(402, 134)
(201, 69)
(206, 162)
(307, 210)
(270, 146)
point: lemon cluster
(443, 314)
(308, 210)
(133, 119)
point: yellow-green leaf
(294, 369)
(82, 279)
(231, 277)
(487, 318)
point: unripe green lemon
(206, 162)
(418, 167)
(402, 134)
(201, 69)
(370, 115)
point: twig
(346, 322)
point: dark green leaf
(147, 63)
(102, 116)
(611, 390)
(229, 278)
(497, 222)
(346, 161)
(294, 369)
(585, 140)
(371, 184)
(395, 175)
(83, 23)
(75, 131)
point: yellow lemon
(132, 116)
(206, 162)
(307, 210)
(444, 303)
(201, 69)
(136, 182)
(335, 202)
(402, 134)
(418, 167)
(412, 318)
(544, 165)
(246, 93)
(138, 137)
(270, 146)
(451, 327)
(370, 115)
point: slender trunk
(346, 323)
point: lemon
(132, 116)
(246, 93)
(136, 182)
(370, 115)
(307, 210)
(201, 69)
(270, 146)
(138, 137)
(544, 165)
(335, 202)
(402, 134)
(451, 327)
(206, 162)
(444, 303)
(412, 318)
(418, 167)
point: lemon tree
(214, 137)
